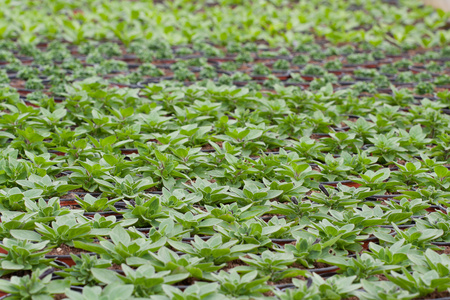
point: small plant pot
(267, 218)
(344, 182)
(264, 60)
(61, 263)
(155, 80)
(434, 208)
(309, 77)
(220, 59)
(168, 61)
(190, 239)
(283, 76)
(102, 213)
(190, 56)
(363, 79)
(324, 271)
(319, 135)
(65, 173)
(368, 65)
(66, 259)
(341, 129)
(259, 77)
(242, 83)
(77, 288)
(273, 152)
(68, 202)
(224, 72)
(58, 153)
(446, 111)
(443, 209)
(341, 72)
(208, 150)
(346, 83)
(129, 58)
(382, 197)
(154, 192)
(24, 92)
(401, 226)
(123, 85)
(28, 103)
(133, 65)
(283, 287)
(303, 85)
(85, 193)
(25, 60)
(128, 151)
(441, 243)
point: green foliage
(229, 146)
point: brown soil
(312, 191)
(68, 196)
(316, 168)
(155, 140)
(78, 191)
(320, 265)
(190, 182)
(437, 295)
(317, 137)
(65, 250)
(271, 215)
(115, 267)
(17, 83)
(153, 189)
(19, 273)
(269, 294)
(381, 277)
(188, 281)
(286, 280)
(273, 150)
(209, 147)
(445, 251)
(201, 208)
(317, 265)
(71, 194)
(232, 264)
